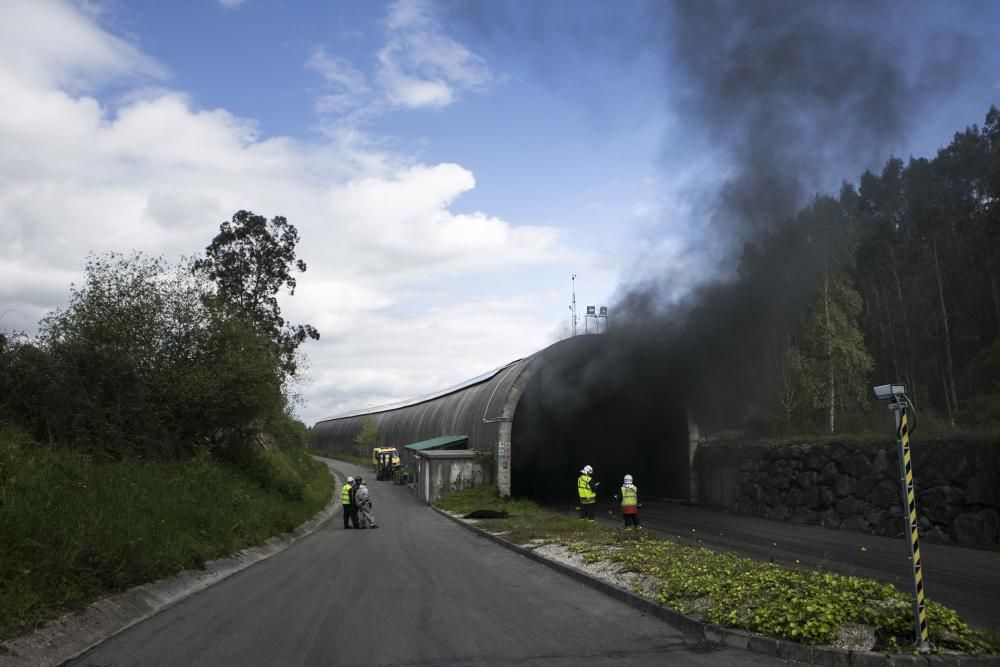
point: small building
(445, 464)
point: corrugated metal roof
(447, 454)
(440, 441)
(425, 397)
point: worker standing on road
(364, 504)
(629, 497)
(586, 487)
(347, 500)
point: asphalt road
(968, 580)
(420, 590)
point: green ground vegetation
(356, 459)
(147, 426)
(76, 527)
(793, 603)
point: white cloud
(346, 85)
(406, 345)
(52, 43)
(231, 4)
(420, 67)
(401, 222)
(337, 71)
(407, 293)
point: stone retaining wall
(856, 486)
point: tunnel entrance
(575, 412)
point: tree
(837, 356)
(793, 387)
(366, 438)
(142, 358)
(250, 261)
(110, 349)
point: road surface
(420, 590)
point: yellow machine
(379, 451)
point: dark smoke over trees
(895, 279)
(805, 298)
(890, 281)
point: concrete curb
(815, 655)
(74, 634)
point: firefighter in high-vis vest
(586, 488)
(629, 497)
(347, 500)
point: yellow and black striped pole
(910, 508)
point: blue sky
(448, 164)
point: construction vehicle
(377, 454)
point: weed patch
(802, 605)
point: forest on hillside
(894, 279)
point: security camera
(887, 392)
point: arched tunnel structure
(545, 417)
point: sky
(448, 165)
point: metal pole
(910, 518)
(574, 304)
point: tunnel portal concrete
(543, 418)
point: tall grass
(73, 529)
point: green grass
(343, 456)
(793, 603)
(74, 529)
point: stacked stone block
(855, 486)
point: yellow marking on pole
(903, 436)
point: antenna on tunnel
(572, 307)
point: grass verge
(343, 456)
(75, 529)
(798, 604)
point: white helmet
(628, 479)
(350, 480)
(587, 470)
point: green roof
(437, 443)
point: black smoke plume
(789, 98)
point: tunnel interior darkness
(570, 416)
